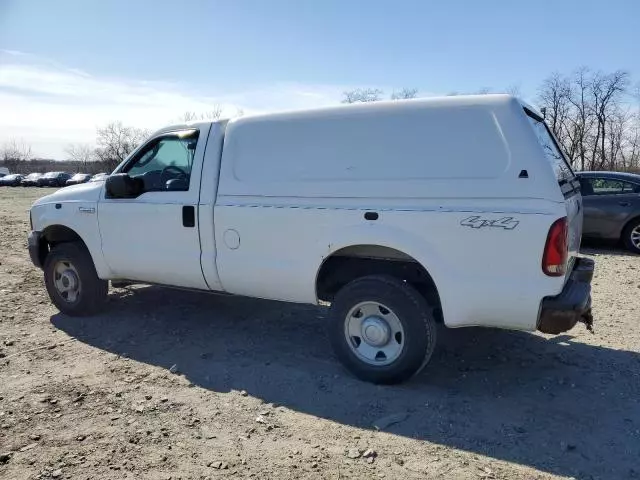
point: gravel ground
(171, 384)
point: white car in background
(99, 177)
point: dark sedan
(611, 203)
(79, 178)
(53, 179)
(11, 180)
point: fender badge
(475, 221)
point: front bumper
(561, 313)
(34, 244)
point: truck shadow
(560, 406)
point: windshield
(551, 149)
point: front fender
(79, 216)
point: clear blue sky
(228, 47)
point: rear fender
(416, 247)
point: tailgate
(573, 203)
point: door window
(165, 163)
(607, 186)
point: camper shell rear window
(553, 153)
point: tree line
(114, 142)
(596, 118)
(594, 115)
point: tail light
(556, 250)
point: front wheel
(631, 236)
(382, 329)
(72, 282)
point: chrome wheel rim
(67, 281)
(374, 333)
(635, 237)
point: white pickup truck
(400, 215)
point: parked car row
(50, 179)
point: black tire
(93, 291)
(414, 313)
(627, 233)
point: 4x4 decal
(476, 221)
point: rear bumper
(560, 313)
(33, 242)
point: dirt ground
(172, 384)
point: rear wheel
(382, 329)
(631, 236)
(72, 282)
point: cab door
(154, 236)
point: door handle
(622, 203)
(188, 216)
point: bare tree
(82, 153)
(631, 154)
(605, 93)
(404, 94)
(514, 90)
(553, 97)
(116, 141)
(362, 95)
(14, 154)
(216, 113)
(580, 121)
(588, 115)
(211, 115)
(189, 116)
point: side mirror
(121, 185)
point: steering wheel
(171, 168)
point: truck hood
(83, 192)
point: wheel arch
(627, 224)
(633, 219)
(352, 261)
(58, 233)
(55, 234)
